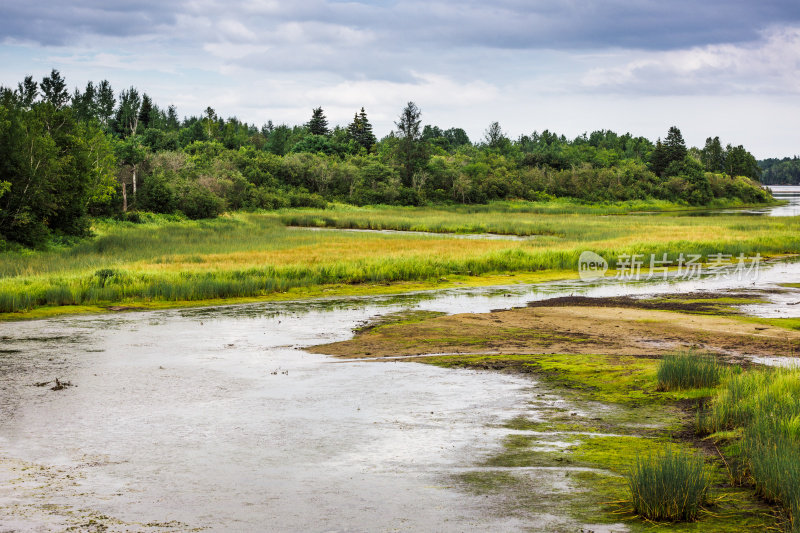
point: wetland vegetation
(167, 260)
(701, 438)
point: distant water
(786, 192)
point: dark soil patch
(673, 302)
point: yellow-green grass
(617, 379)
(301, 293)
(248, 255)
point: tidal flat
(599, 404)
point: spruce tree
(54, 89)
(674, 146)
(318, 125)
(172, 118)
(360, 130)
(411, 150)
(658, 159)
(146, 112)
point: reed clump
(764, 407)
(689, 370)
(670, 486)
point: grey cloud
(511, 24)
(49, 22)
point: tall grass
(569, 225)
(688, 370)
(765, 406)
(246, 255)
(670, 486)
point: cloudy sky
(720, 67)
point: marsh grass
(670, 486)
(765, 406)
(252, 254)
(688, 370)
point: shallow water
(216, 418)
(480, 236)
(789, 193)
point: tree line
(784, 171)
(67, 156)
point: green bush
(303, 199)
(668, 487)
(198, 202)
(262, 198)
(158, 194)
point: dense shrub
(157, 193)
(197, 202)
(304, 199)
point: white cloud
(770, 65)
(234, 51)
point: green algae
(614, 414)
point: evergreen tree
(83, 105)
(104, 103)
(146, 113)
(368, 138)
(674, 146)
(668, 157)
(658, 159)
(54, 89)
(27, 92)
(411, 149)
(172, 121)
(360, 130)
(318, 125)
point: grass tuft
(688, 370)
(668, 487)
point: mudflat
(585, 326)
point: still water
(216, 418)
(790, 193)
